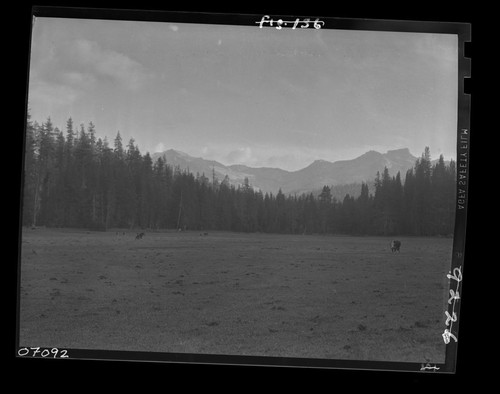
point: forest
(74, 179)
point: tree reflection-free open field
(237, 294)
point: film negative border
(451, 316)
(455, 276)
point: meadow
(307, 296)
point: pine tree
(422, 198)
(30, 174)
(146, 219)
(107, 185)
(118, 201)
(69, 178)
(45, 180)
(363, 207)
(132, 190)
(397, 204)
(83, 159)
(118, 151)
(324, 207)
(438, 197)
(409, 207)
(69, 134)
(57, 200)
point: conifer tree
(30, 174)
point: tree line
(72, 178)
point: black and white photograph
(282, 188)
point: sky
(246, 95)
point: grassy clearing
(237, 294)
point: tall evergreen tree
(324, 207)
(45, 180)
(30, 174)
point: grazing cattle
(139, 236)
(395, 245)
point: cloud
(74, 69)
(286, 158)
(78, 79)
(240, 156)
(160, 147)
(51, 95)
(105, 63)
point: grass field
(235, 294)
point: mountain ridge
(308, 179)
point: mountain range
(309, 179)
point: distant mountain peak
(401, 156)
(370, 153)
(319, 162)
(398, 151)
(402, 153)
(178, 153)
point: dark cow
(139, 236)
(395, 245)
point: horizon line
(162, 153)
